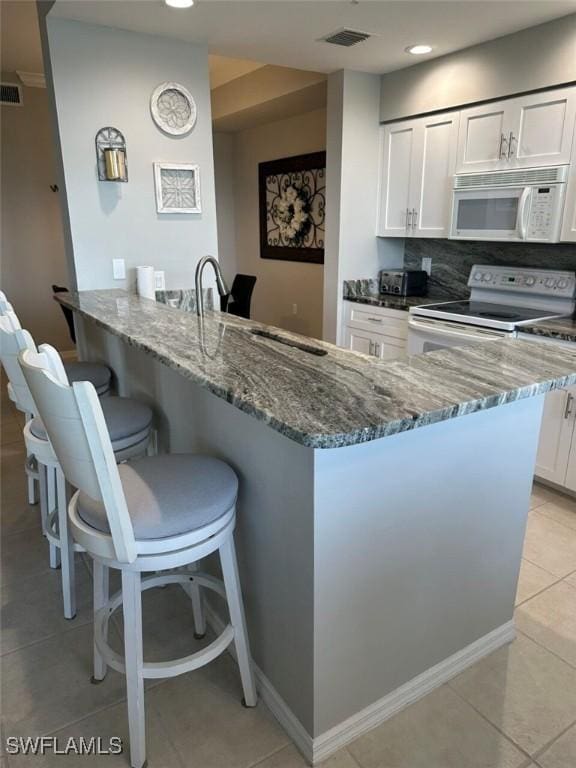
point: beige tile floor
(514, 709)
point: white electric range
(502, 299)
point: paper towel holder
(111, 155)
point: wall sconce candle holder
(111, 155)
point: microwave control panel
(543, 220)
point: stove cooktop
(488, 314)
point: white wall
(102, 77)
(32, 240)
(280, 283)
(352, 249)
(533, 58)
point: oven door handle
(476, 335)
(524, 198)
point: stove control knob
(563, 283)
(478, 276)
(530, 281)
(487, 277)
(550, 283)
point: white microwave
(515, 206)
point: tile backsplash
(452, 260)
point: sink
(318, 351)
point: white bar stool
(155, 514)
(99, 374)
(130, 427)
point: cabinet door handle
(503, 152)
(414, 217)
(375, 319)
(376, 349)
(568, 408)
(511, 139)
(408, 218)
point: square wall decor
(293, 208)
(177, 188)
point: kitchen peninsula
(382, 504)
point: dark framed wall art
(293, 208)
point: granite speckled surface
(315, 393)
(366, 292)
(184, 298)
(562, 328)
(452, 260)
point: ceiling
(20, 47)
(286, 32)
(20, 37)
(223, 70)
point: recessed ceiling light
(418, 50)
(179, 3)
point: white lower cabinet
(555, 449)
(375, 331)
(375, 344)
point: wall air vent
(10, 94)
(521, 177)
(345, 37)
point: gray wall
(352, 177)
(225, 202)
(32, 239)
(534, 58)
(280, 284)
(102, 77)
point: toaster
(404, 282)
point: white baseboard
(317, 749)
(331, 741)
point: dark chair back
(240, 297)
(68, 314)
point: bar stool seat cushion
(169, 495)
(97, 374)
(128, 421)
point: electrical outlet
(427, 264)
(119, 269)
(294, 309)
(160, 280)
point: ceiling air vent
(10, 94)
(346, 37)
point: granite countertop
(315, 393)
(401, 302)
(562, 328)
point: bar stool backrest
(77, 430)
(12, 342)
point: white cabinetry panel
(555, 436)
(375, 331)
(542, 128)
(417, 164)
(396, 161)
(482, 137)
(433, 169)
(523, 132)
(568, 233)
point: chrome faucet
(220, 282)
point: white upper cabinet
(396, 151)
(481, 141)
(431, 177)
(568, 233)
(417, 164)
(524, 132)
(542, 128)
